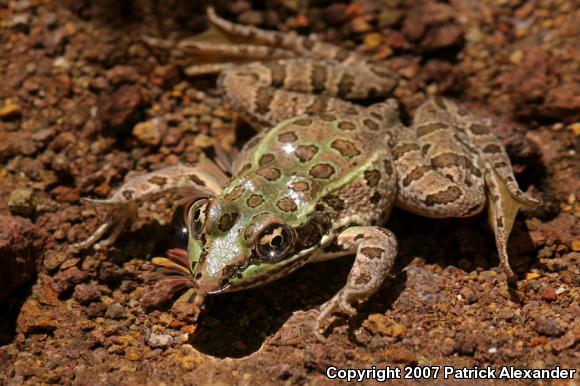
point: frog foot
(173, 276)
(338, 304)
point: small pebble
(465, 345)
(148, 132)
(566, 341)
(21, 202)
(115, 311)
(160, 340)
(548, 327)
(548, 294)
(10, 110)
(532, 275)
(469, 295)
(516, 57)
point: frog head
(246, 242)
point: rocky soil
(86, 101)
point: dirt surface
(85, 102)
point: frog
(321, 176)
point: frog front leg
(376, 249)
(202, 180)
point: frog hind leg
(202, 180)
(289, 41)
(504, 196)
(451, 165)
(376, 250)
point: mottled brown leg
(424, 189)
(458, 166)
(247, 52)
(301, 45)
(377, 248)
(204, 179)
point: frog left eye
(196, 217)
(275, 242)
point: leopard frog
(320, 178)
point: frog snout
(205, 283)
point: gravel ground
(86, 102)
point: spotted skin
(320, 178)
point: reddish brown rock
(444, 37)
(32, 319)
(121, 108)
(18, 249)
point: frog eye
(275, 242)
(196, 217)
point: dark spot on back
(287, 137)
(287, 204)
(346, 125)
(128, 194)
(266, 159)
(270, 174)
(302, 122)
(254, 200)
(375, 198)
(372, 125)
(345, 148)
(323, 171)
(305, 152)
(328, 117)
(300, 186)
(235, 193)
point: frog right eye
(196, 217)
